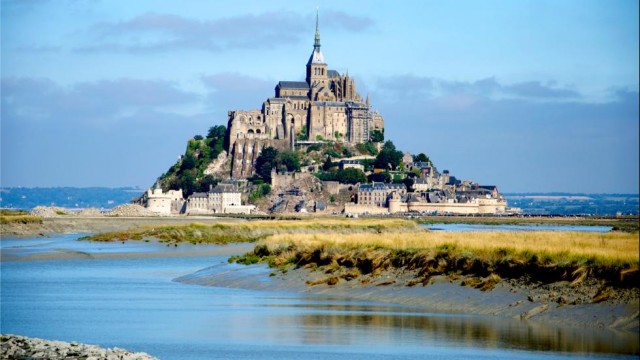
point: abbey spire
(317, 71)
(316, 44)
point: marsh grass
(544, 256)
(607, 249)
(251, 231)
(20, 219)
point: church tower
(317, 71)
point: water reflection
(353, 324)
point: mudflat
(98, 224)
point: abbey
(326, 106)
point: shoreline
(442, 292)
(442, 295)
(97, 224)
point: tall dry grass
(227, 232)
(602, 249)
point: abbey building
(326, 106)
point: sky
(531, 96)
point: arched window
(258, 131)
(250, 131)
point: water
(133, 303)
(515, 228)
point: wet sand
(78, 224)
(442, 295)
(67, 254)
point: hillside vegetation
(188, 172)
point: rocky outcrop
(20, 347)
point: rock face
(20, 347)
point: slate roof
(381, 186)
(293, 85)
(333, 73)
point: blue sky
(528, 95)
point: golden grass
(613, 248)
(226, 232)
(20, 219)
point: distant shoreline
(98, 224)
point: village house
(225, 198)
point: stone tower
(317, 71)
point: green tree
(380, 177)
(328, 164)
(351, 176)
(288, 159)
(188, 161)
(302, 134)
(217, 132)
(265, 162)
(198, 137)
(389, 157)
(206, 182)
(422, 158)
(408, 182)
(377, 136)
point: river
(132, 302)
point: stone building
(377, 194)
(165, 203)
(325, 106)
(225, 198)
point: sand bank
(441, 295)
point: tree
(207, 182)
(328, 164)
(288, 159)
(377, 136)
(216, 132)
(388, 157)
(422, 158)
(408, 182)
(351, 176)
(265, 162)
(198, 137)
(188, 161)
(380, 177)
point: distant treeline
(69, 197)
(596, 204)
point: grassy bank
(250, 231)
(18, 217)
(627, 224)
(537, 256)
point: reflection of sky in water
(515, 228)
(134, 304)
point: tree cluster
(270, 158)
(388, 158)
